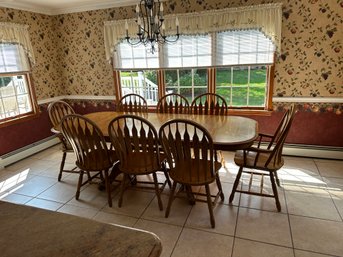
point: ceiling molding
(72, 8)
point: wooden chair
(273, 138)
(136, 142)
(173, 103)
(132, 103)
(262, 162)
(91, 151)
(192, 160)
(210, 104)
(57, 110)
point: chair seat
(97, 160)
(191, 173)
(251, 156)
(141, 163)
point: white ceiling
(53, 7)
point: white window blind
(217, 49)
(13, 58)
(243, 47)
(188, 51)
(134, 57)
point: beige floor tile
(168, 234)
(91, 197)
(227, 189)
(302, 166)
(317, 235)
(61, 192)
(247, 248)
(44, 204)
(299, 253)
(134, 203)
(15, 198)
(179, 211)
(35, 186)
(202, 244)
(78, 211)
(263, 226)
(55, 170)
(225, 218)
(33, 166)
(318, 205)
(330, 168)
(11, 181)
(229, 173)
(113, 218)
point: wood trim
(270, 86)
(33, 100)
(161, 83)
(117, 85)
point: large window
(235, 64)
(16, 96)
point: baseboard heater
(311, 151)
(26, 151)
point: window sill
(20, 119)
(240, 112)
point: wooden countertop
(28, 231)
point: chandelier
(150, 25)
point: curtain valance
(266, 17)
(17, 33)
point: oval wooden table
(229, 133)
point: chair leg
(276, 195)
(122, 189)
(166, 174)
(157, 190)
(235, 185)
(277, 178)
(79, 185)
(108, 188)
(210, 205)
(62, 166)
(219, 185)
(171, 198)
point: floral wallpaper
(46, 72)
(71, 58)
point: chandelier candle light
(150, 25)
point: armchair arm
(261, 136)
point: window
(235, 46)
(16, 96)
(234, 64)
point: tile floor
(309, 225)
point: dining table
(229, 133)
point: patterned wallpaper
(71, 58)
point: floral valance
(17, 33)
(266, 17)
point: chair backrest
(57, 110)
(209, 103)
(136, 142)
(189, 147)
(87, 142)
(133, 103)
(281, 126)
(173, 103)
(276, 155)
